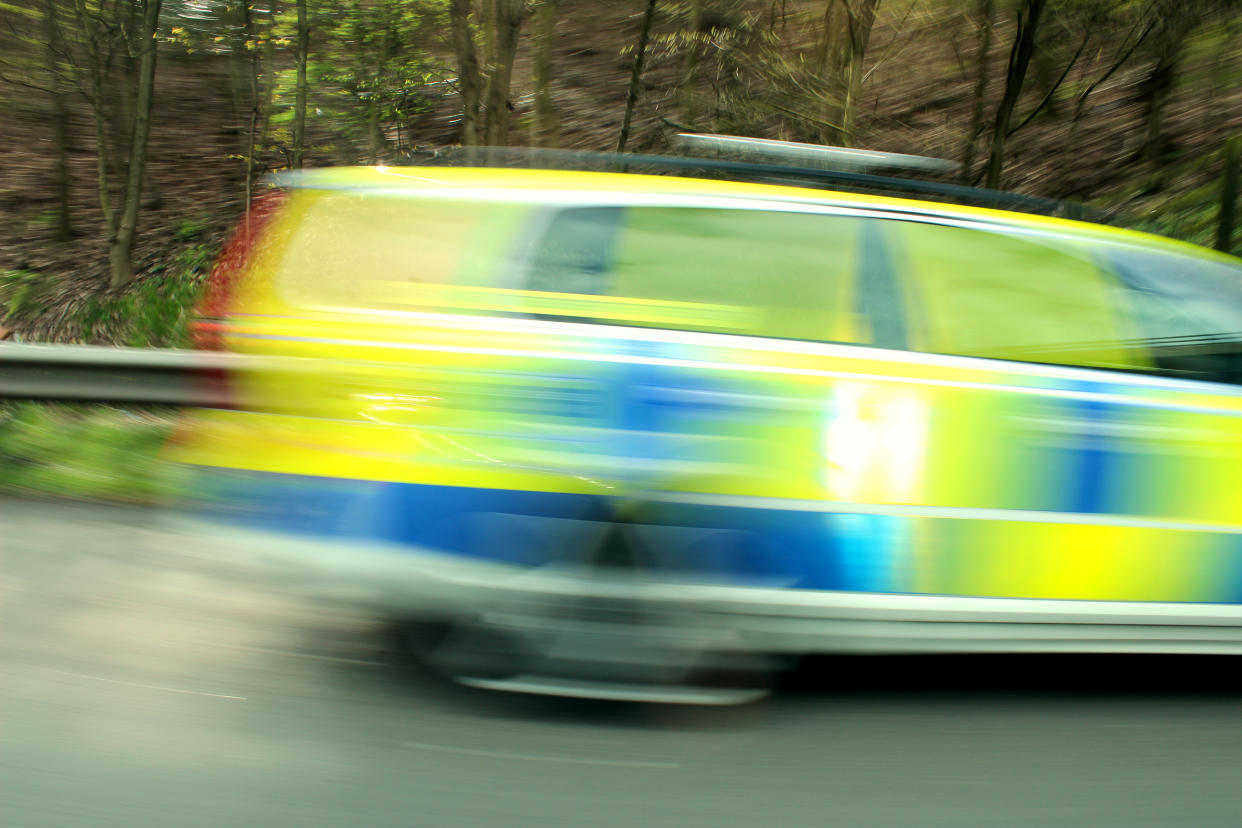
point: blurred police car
(612, 435)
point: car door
(1117, 481)
(1007, 441)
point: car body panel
(437, 403)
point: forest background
(134, 132)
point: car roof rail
(819, 156)
(775, 162)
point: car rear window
(376, 250)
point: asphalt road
(141, 688)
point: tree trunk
(983, 23)
(1228, 196)
(121, 252)
(299, 101)
(235, 20)
(375, 132)
(690, 63)
(1223, 61)
(60, 124)
(1175, 26)
(545, 126)
(640, 54)
(375, 135)
(125, 23)
(509, 15)
(267, 77)
(252, 74)
(487, 31)
(861, 21)
(467, 69)
(847, 32)
(95, 71)
(1015, 76)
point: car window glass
(737, 271)
(1188, 310)
(368, 250)
(574, 254)
(986, 293)
(790, 275)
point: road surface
(141, 687)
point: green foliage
(20, 291)
(9, 8)
(87, 452)
(152, 311)
(370, 70)
(160, 306)
(189, 230)
(1189, 213)
(43, 218)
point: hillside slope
(916, 98)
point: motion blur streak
(568, 424)
(481, 477)
(126, 651)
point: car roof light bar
(762, 171)
(841, 158)
(785, 174)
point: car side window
(1006, 295)
(575, 252)
(758, 272)
(1188, 310)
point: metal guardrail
(139, 376)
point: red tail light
(207, 331)
(216, 386)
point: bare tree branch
(1082, 99)
(1044, 102)
(28, 85)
